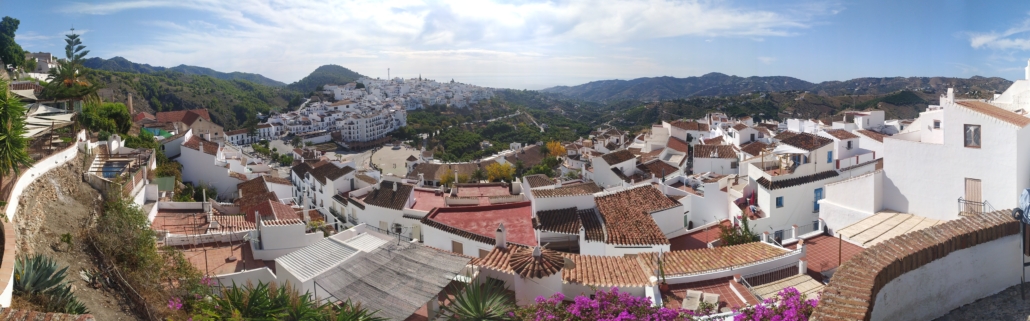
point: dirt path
(58, 203)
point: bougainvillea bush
(613, 305)
(787, 305)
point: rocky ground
(61, 203)
(1006, 305)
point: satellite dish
(569, 264)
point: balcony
(973, 208)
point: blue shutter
(829, 156)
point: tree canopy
(10, 52)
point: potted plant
(663, 285)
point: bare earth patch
(58, 203)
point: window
(733, 165)
(483, 253)
(456, 247)
(972, 136)
(936, 124)
(849, 145)
(397, 228)
(829, 156)
(779, 201)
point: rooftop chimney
(130, 104)
(395, 186)
(536, 251)
(501, 237)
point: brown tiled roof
(784, 135)
(239, 176)
(605, 271)
(428, 171)
(797, 180)
(617, 157)
(871, 134)
(841, 134)
(651, 155)
(529, 155)
(182, 116)
(366, 178)
(763, 130)
(715, 151)
(710, 259)
(386, 197)
(851, 293)
(592, 225)
(567, 190)
(526, 265)
(690, 125)
(807, 141)
(538, 180)
(301, 169)
(565, 220)
(35, 87)
(657, 167)
(995, 112)
(232, 223)
(411, 158)
(329, 171)
(713, 141)
(210, 148)
(276, 180)
(753, 148)
(498, 258)
(740, 127)
(678, 145)
(626, 215)
(635, 151)
(236, 132)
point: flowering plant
(604, 305)
(787, 305)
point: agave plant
(352, 312)
(36, 274)
(249, 303)
(480, 301)
(61, 299)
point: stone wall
(854, 290)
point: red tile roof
(386, 197)
(754, 148)
(678, 145)
(710, 259)
(690, 125)
(807, 141)
(143, 115)
(627, 215)
(210, 148)
(183, 116)
(617, 157)
(797, 180)
(565, 220)
(498, 258)
(715, 151)
(841, 134)
(480, 223)
(527, 265)
(658, 168)
(592, 225)
(538, 180)
(605, 271)
(871, 134)
(740, 127)
(995, 112)
(586, 188)
(713, 141)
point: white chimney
(501, 237)
(395, 186)
(951, 95)
(536, 251)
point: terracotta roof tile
(366, 178)
(797, 180)
(626, 215)
(617, 157)
(605, 271)
(871, 134)
(710, 259)
(195, 142)
(498, 258)
(645, 157)
(529, 155)
(740, 127)
(715, 151)
(565, 220)
(586, 188)
(182, 115)
(236, 132)
(678, 145)
(995, 112)
(841, 134)
(807, 141)
(753, 148)
(690, 125)
(658, 168)
(592, 225)
(276, 180)
(525, 264)
(386, 197)
(330, 172)
(784, 135)
(714, 141)
(538, 180)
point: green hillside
(327, 74)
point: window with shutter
(972, 136)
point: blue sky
(536, 44)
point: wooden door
(385, 227)
(416, 231)
(974, 198)
(457, 247)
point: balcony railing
(390, 233)
(970, 208)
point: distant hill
(717, 84)
(120, 64)
(324, 75)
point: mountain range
(326, 74)
(717, 84)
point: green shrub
(38, 280)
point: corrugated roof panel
(365, 242)
(308, 262)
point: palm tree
(480, 301)
(13, 144)
(68, 79)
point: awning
(787, 149)
(44, 109)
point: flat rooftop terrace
(216, 258)
(884, 226)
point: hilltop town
(709, 215)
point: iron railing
(768, 276)
(390, 233)
(969, 208)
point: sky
(539, 44)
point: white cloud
(767, 60)
(285, 39)
(1013, 38)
